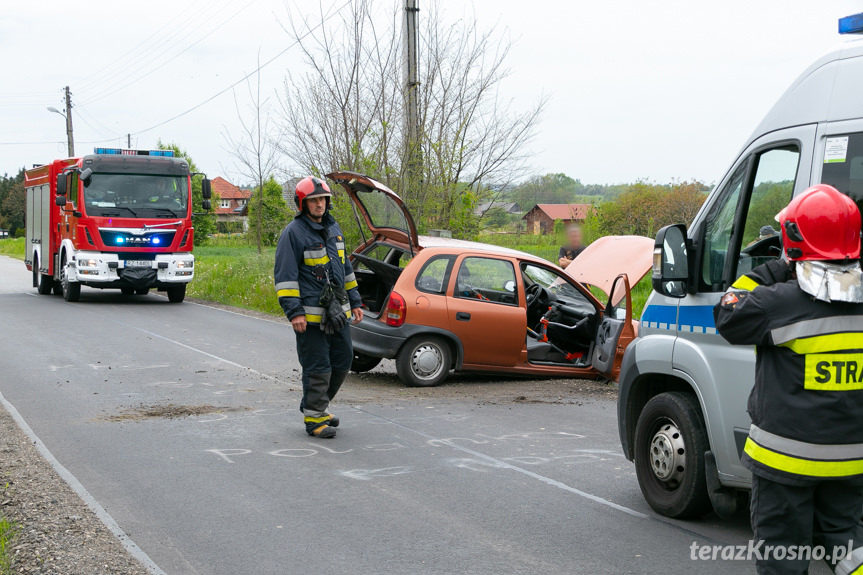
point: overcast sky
(656, 90)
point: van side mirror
(61, 184)
(671, 262)
(206, 190)
(206, 205)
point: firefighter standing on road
(318, 292)
(805, 444)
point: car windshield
(383, 211)
(552, 282)
(135, 195)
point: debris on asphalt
(168, 411)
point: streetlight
(70, 142)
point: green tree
(204, 222)
(268, 212)
(14, 206)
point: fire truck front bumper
(110, 270)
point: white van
(683, 389)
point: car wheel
(127, 291)
(424, 362)
(71, 290)
(176, 293)
(44, 283)
(145, 291)
(670, 442)
(362, 362)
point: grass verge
(12, 247)
(7, 534)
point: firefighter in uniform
(317, 290)
(805, 444)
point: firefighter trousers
(326, 360)
(801, 518)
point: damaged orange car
(437, 304)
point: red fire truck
(114, 219)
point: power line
(172, 58)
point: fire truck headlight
(181, 264)
(88, 263)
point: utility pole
(70, 139)
(411, 80)
(128, 141)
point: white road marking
(82, 492)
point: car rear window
(434, 275)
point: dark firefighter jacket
(304, 247)
(807, 403)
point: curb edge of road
(130, 546)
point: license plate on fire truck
(139, 264)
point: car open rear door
(615, 330)
(384, 212)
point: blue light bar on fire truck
(123, 152)
(851, 24)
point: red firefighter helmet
(311, 187)
(821, 224)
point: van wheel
(424, 362)
(71, 290)
(176, 293)
(670, 442)
(44, 283)
(362, 362)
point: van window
(844, 172)
(772, 189)
(720, 225)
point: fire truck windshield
(135, 195)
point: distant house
(506, 207)
(232, 202)
(541, 217)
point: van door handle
(462, 316)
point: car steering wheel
(533, 295)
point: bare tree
(346, 110)
(254, 151)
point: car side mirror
(671, 262)
(61, 184)
(206, 190)
(509, 286)
(206, 205)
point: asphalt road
(472, 477)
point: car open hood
(608, 257)
(383, 210)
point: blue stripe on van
(691, 319)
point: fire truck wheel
(71, 290)
(127, 291)
(176, 293)
(142, 291)
(43, 282)
(58, 289)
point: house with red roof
(231, 203)
(541, 217)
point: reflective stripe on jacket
(807, 400)
(302, 247)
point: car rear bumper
(377, 339)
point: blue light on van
(851, 24)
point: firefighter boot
(319, 427)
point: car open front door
(615, 331)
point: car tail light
(396, 310)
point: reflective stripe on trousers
(801, 458)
